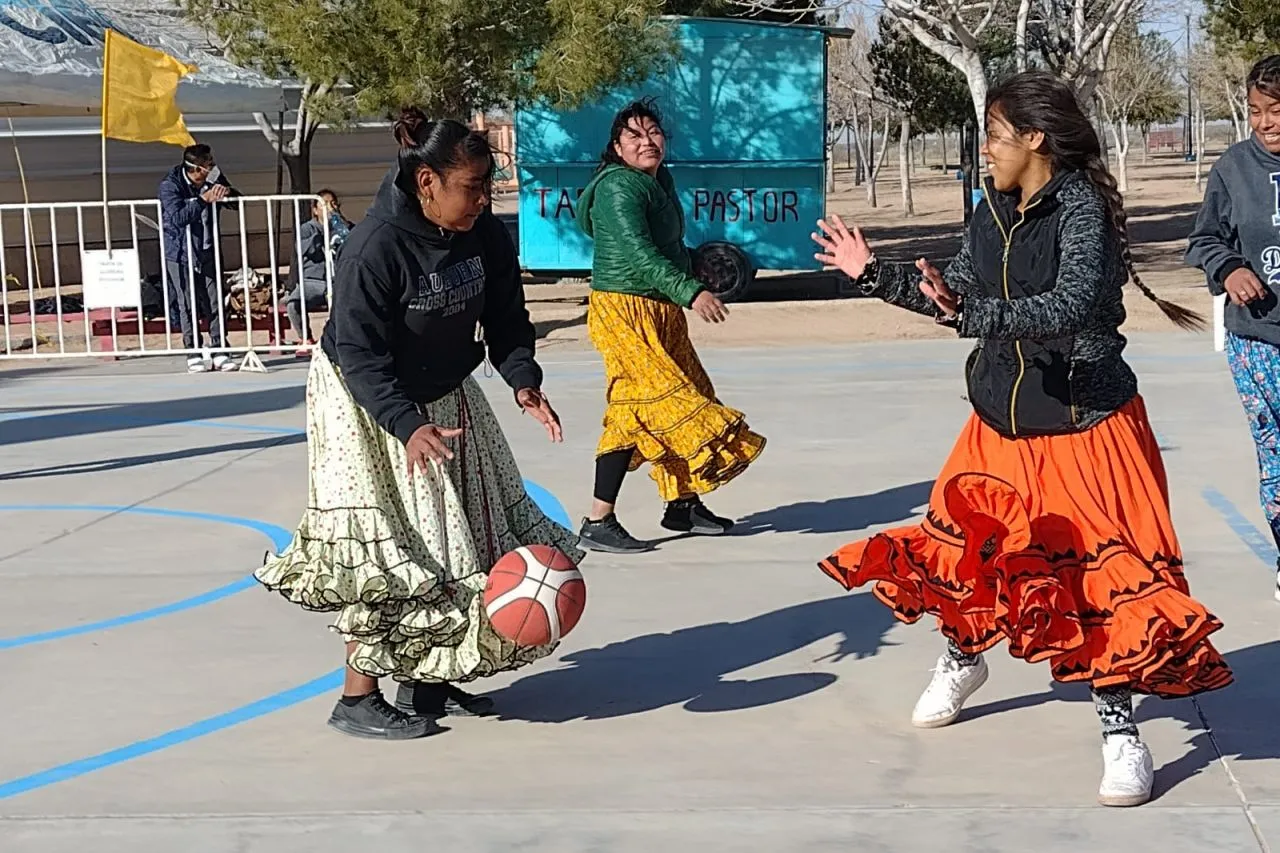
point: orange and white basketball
(535, 595)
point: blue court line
(278, 535)
(1250, 535)
(546, 501)
(262, 707)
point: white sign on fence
(112, 279)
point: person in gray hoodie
(1236, 241)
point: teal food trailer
(744, 104)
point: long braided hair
(1036, 101)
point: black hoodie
(414, 309)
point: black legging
(611, 470)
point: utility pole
(1189, 140)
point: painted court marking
(1250, 535)
(279, 539)
(326, 683)
(278, 535)
(333, 680)
(72, 769)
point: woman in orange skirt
(1049, 525)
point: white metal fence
(58, 305)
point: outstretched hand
(534, 403)
(427, 445)
(934, 286)
(845, 250)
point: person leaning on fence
(312, 285)
(662, 408)
(1236, 241)
(414, 493)
(189, 198)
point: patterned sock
(959, 657)
(1115, 710)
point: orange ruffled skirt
(1061, 545)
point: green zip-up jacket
(637, 226)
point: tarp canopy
(51, 58)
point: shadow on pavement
(839, 515)
(122, 416)
(123, 462)
(689, 666)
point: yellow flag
(139, 93)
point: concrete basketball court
(719, 695)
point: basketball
(535, 595)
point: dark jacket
(181, 207)
(1239, 226)
(637, 225)
(1042, 293)
(411, 304)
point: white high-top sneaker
(940, 703)
(1127, 772)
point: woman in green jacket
(662, 408)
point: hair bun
(410, 126)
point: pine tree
(361, 58)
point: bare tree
(1074, 37)
(851, 80)
(904, 165)
(1198, 125)
(1139, 76)
(874, 168)
(295, 146)
(954, 30)
(1221, 77)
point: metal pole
(278, 231)
(1189, 141)
(968, 166)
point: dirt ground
(1162, 203)
(786, 310)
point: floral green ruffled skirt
(403, 561)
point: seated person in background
(312, 285)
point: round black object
(723, 269)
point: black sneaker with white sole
(690, 515)
(608, 535)
(371, 717)
(441, 699)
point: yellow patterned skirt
(661, 402)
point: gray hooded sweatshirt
(1239, 226)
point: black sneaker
(440, 699)
(689, 515)
(373, 718)
(608, 535)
